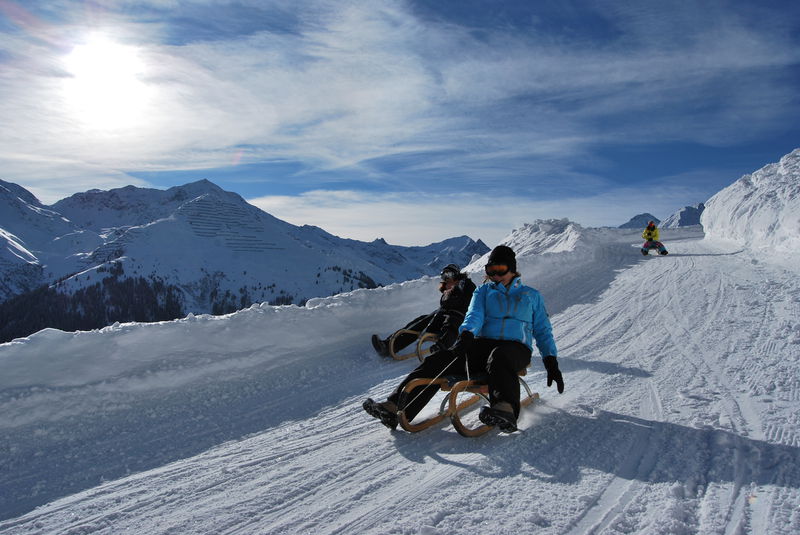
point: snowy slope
(23, 215)
(19, 269)
(574, 263)
(760, 210)
(26, 227)
(680, 414)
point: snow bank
(150, 351)
(760, 210)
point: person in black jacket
(456, 289)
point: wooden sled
(452, 408)
(418, 351)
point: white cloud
(358, 82)
(409, 219)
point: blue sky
(408, 120)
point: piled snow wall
(760, 210)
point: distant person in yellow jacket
(650, 235)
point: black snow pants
(417, 324)
(500, 361)
(442, 323)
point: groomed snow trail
(680, 417)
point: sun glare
(105, 90)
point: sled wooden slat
(424, 424)
(452, 408)
(418, 351)
(473, 386)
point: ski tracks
(730, 344)
(693, 324)
(675, 421)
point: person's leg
(404, 340)
(438, 364)
(478, 357)
(504, 364)
(420, 322)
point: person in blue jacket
(504, 320)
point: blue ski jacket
(513, 313)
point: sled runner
(452, 408)
(418, 351)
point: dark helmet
(450, 271)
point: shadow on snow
(561, 445)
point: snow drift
(760, 210)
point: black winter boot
(502, 419)
(381, 346)
(382, 411)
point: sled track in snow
(695, 360)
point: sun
(105, 89)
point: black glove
(463, 343)
(553, 373)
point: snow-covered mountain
(195, 248)
(22, 215)
(131, 206)
(27, 230)
(685, 217)
(760, 210)
(640, 221)
(20, 272)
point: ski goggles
(447, 275)
(496, 269)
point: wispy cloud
(407, 219)
(377, 92)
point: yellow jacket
(650, 234)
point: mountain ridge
(206, 247)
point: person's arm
(543, 333)
(473, 321)
(542, 329)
